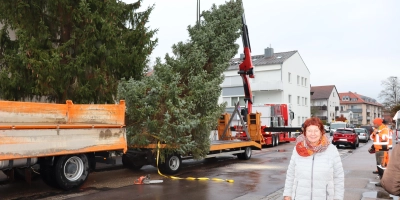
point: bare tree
(391, 92)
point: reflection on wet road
(260, 176)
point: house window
(302, 81)
(305, 82)
(298, 121)
(302, 101)
(298, 100)
(333, 94)
(298, 80)
(234, 100)
(289, 77)
(290, 98)
(227, 100)
(305, 101)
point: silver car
(363, 134)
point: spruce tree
(178, 104)
(77, 50)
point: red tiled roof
(150, 73)
(359, 98)
(321, 92)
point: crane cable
(187, 178)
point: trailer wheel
(71, 171)
(129, 163)
(273, 140)
(172, 164)
(47, 174)
(246, 155)
(277, 139)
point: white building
(279, 78)
(325, 102)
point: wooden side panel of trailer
(15, 113)
(27, 143)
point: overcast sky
(353, 44)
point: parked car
(345, 136)
(369, 128)
(327, 129)
(363, 134)
(336, 125)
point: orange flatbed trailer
(33, 133)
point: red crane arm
(246, 67)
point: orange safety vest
(380, 138)
(390, 137)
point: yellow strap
(187, 178)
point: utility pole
(396, 85)
(198, 13)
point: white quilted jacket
(316, 177)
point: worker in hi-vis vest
(380, 138)
(390, 134)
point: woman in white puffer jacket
(315, 170)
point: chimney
(241, 56)
(268, 52)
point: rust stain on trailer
(105, 134)
(11, 140)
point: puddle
(379, 194)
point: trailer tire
(273, 140)
(246, 155)
(47, 174)
(129, 163)
(172, 164)
(277, 139)
(71, 171)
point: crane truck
(276, 116)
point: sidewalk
(359, 180)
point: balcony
(355, 110)
(319, 107)
(267, 86)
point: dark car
(369, 128)
(345, 136)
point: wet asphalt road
(262, 175)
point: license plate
(342, 139)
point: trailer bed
(31, 129)
(229, 144)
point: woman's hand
(287, 198)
